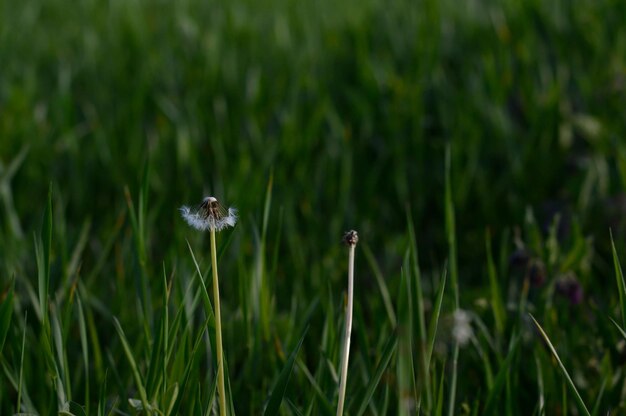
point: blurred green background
(346, 110)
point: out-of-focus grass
(311, 118)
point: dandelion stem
(210, 215)
(345, 354)
(218, 327)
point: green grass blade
(208, 308)
(188, 368)
(133, 364)
(423, 357)
(451, 237)
(440, 394)
(211, 398)
(44, 274)
(596, 407)
(229, 391)
(267, 205)
(294, 409)
(570, 383)
(322, 401)
(176, 323)
(382, 286)
(36, 298)
(60, 366)
(172, 399)
(92, 329)
(18, 386)
(619, 328)
(138, 222)
(21, 380)
(540, 387)
(259, 290)
(434, 319)
(6, 313)
(74, 263)
(451, 228)
(82, 327)
(453, 380)
(6, 175)
(621, 285)
(166, 334)
(564, 400)
(405, 371)
(102, 396)
(278, 392)
(277, 242)
(153, 378)
(484, 357)
(500, 380)
(383, 363)
(75, 409)
(497, 305)
(104, 256)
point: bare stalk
(351, 238)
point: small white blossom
(462, 330)
(209, 215)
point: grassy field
(478, 148)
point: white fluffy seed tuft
(203, 218)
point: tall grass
(312, 116)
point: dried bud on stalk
(569, 287)
(537, 273)
(351, 238)
(518, 260)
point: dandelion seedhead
(209, 215)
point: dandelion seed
(209, 215)
(462, 330)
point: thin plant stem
(218, 327)
(210, 215)
(345, 354)
(19, 389)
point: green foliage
(570, 383)
(6, 311)
(621, 285)
(278, 392)
(500, 126)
